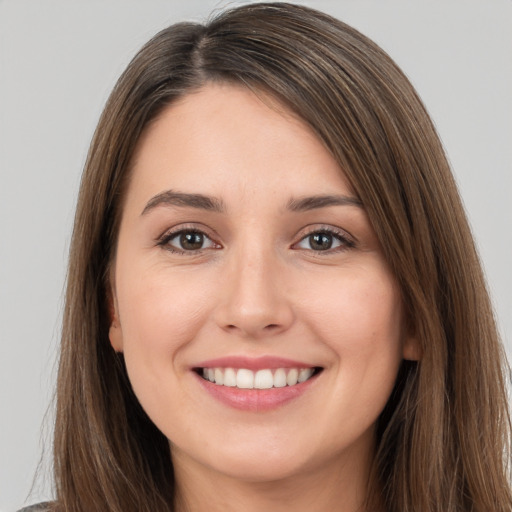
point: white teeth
(244, 379)
(219, 376)
(305, 374)
(262, 379)
(292, 377)
(280, 378)
(230, 377)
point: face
(261, 326)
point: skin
(257, 287)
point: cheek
(160, 314)
(357, 313)
(159, 311)
(160, 317)
(361, 321)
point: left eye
(186, 241)
(323, 241)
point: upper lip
(253, 363)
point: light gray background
(58, 61)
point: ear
(411, 350)
(115, 332)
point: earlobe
(412, 350)
(116, 336)
(115, 333)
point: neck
(339, 486)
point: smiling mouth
(243, 378)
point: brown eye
(320, 241)
(325, 241)
(191, 241)
(187, 241)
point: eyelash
(164, 240)
(345, 241)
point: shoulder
(39, 507)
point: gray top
(38, 507)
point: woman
(274, 300)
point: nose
(253, 302)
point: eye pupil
(191, 241)
(320, 241)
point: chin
(249, 462)
(262, 470)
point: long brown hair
(443, 438)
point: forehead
(225, 138)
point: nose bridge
(254, 303)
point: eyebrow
(213, 204)
(322, 201)
(173, 198)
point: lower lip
(256, 400)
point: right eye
(187, 241)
